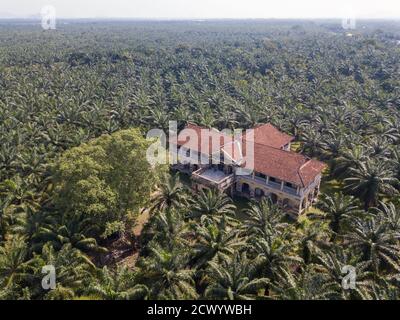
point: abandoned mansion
(255, 164)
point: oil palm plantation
(272, 252)
(119, 284)
(74, 271)
(168, 228)
(307, 285)
(371, 181)
(337, 209)
(14, 262)
(214, 242)
(334, 263)
(75, 229)
(376, 243)
(212, 205)
(263, 216)
(234, 278)
(390, 215)
(167, 274)
(352, 157)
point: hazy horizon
(206, 9)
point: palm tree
(312, 142)
(379, 148)
(119, 284)
(5, 218)
(249, 117)
(158, 118)
(167, 228)
(309, 238)
(337, 208)
(14, 262)
(390, 215)
(272, 252)
(333, 144)
(74, 271)
(234, 278)
(166, 274)
(34, 222)
(351, 157)
(377, 244)
(371, 181)
(226, 117)
(182, 115)
(205, 116)
(171, 194)
(307, 285)
(74, 228)
(395, 162)
(380, 290)
(261, 217)
(19, 197)
(333, 262)
(212, 205)
(214, 243)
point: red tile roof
(196, 143)
(269, 158)
(267, 134)
(284, 165)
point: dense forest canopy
(69, 96)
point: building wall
(296, 203)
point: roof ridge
(279, 149)
(305, 163)
(301, 167)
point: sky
(203, 9)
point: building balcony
(213, 177)
(272, 185)
(289, 190)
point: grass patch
(314, 211)
(332, 186)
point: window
(289, 185)
(188, 153)
(272, 179)
(260, 175)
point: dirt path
(140, 222)
(123, 251)
(130, 260)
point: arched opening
(286, 203)
(246, 189)
(259, 193)
(274, 198)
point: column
(252, 193)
